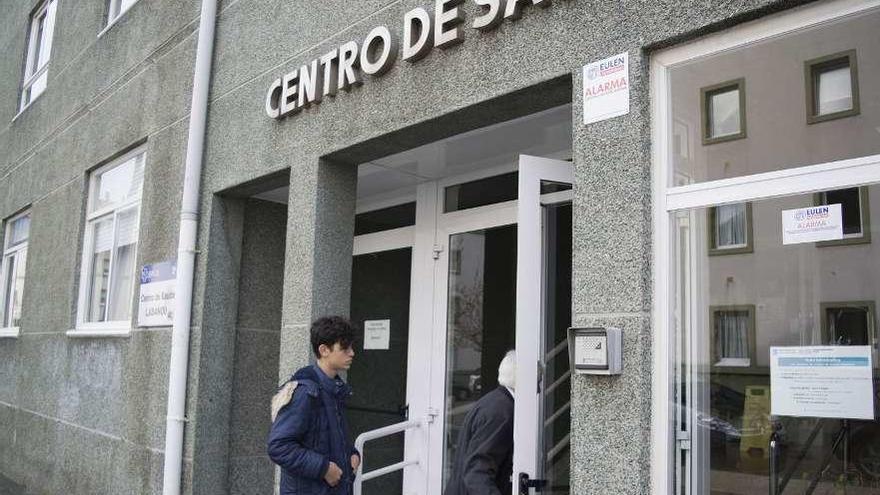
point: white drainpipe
(186, 252)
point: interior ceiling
(546, 134)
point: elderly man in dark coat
(484, 459)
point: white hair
(507, 370)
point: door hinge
(432, 415)
(683, 439)
(540, 376)
(525, 483)
(437, 250)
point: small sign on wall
(813, 224)
(377, 335)
(156, 301)
(606, 88)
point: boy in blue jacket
(309, 437)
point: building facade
(445, 174)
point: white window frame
(6, 329)
(112, 19)
(804, 180)
(120, 328)
(32, 73)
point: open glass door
(543, 314)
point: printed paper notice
(606, 88)
(822, 382)
(813, 224)
(377, 334)
(156, 302)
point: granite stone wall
(87, 415)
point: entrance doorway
(449, 273)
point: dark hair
(329, 330)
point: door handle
(525, 483)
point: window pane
(119, 184)
(724, 118)
(835, 90)
(102, 232)
(123, 266)
(46, 37)
(9, 263)
(18, 287)
(36, 88)
(726, 314)
(385, 219)
(851, 207)
(482, 192)
(848, 326)
(730, 226)
(39, 28)
(778, 137)
(732, 338)
(18, 231)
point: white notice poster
(822, 382)
(156, 302)
(606, 88)
(813, 224)
(377, 334)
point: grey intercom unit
(595, 350)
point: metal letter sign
(344, 66)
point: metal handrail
(376, 434)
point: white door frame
(845, 173)
(530, 283)
(428, 304)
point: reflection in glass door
(481, 322)
(778, 295)
(555, 418)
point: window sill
(10, 332)
(89, 332)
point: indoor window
(832, 87)
(110, 245)
(733, 336)
(12, 270)
(854, 208)
(723, 109)
(39, 47)
(730, 229)
(117, 8)
(848, 323)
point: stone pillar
(317, 265)
(611, 416)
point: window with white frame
(36, 65)
(118, 7)
(110, 244)
(12, 270)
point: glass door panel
(543, 313)
(380, 291)
(481, 314)
(556, 380)
(732, 309)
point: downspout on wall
(186, 252)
